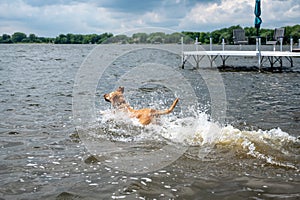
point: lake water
(52, 148)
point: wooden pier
(262, 56)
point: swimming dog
(145, 115)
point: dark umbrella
(257, 12)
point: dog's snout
(106, 98)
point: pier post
(182, 56)
(258, 44)
(281, 41)
(291, 44)
(210, 48)
(223, 44)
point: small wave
(274, 146)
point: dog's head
(116, 98)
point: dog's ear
(121, 89)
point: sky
(49, 18)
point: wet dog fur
(145, 115)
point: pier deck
(262, 56)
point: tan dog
(145, 116)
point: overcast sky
(51, 17)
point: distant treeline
(154, 38)
(204, 37)
(69, 38)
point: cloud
(52, 17)
(219, 14)
(131, 6)
(280, 13)
(224, 13)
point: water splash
(274, 147)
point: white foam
(198, 130)
(193, 130)
(186, 131)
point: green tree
(139, 37)
(292, 32)
(5, 38)
(92, 38)
(123, 39)
(158, 37)
(18, 37)
(104, 37)
(61, 39)
(173, 38)
(32, 37)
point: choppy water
(254, 153)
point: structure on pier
(262, 56)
